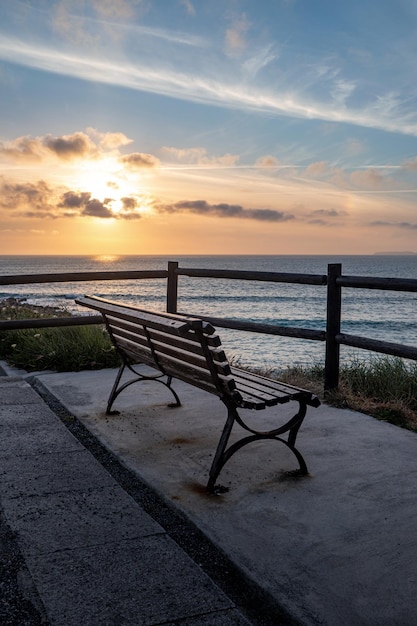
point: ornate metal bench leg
(138, 377)
(113, 393)
(177, 402)
(292, 436)
(223, 454)
(303, 471)
(219, 459)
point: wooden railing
(332, 336)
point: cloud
(369, 178)
(74, 200)
(92, 145)
(188, 6)
(235, 39)
(200, 157)
(35, 195)
(363, 178)
(94, 25)
(65, 147)
(404, 225)
(254, 64)
(23, 149)
(138, 160)
(328, 212)
(317, 169)
(267, 161)
(129, 203)
(96, 208)
(410, 164)
(202, 207)
(92, 207)
(109, 141)
(355, 147)
(38, 214)
(40, 200)
(387, 112)
(342, 90)
(70, 27)
(120, 9)
(72, 20)
(71, 146)
(326, 217)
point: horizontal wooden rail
(387, 284)
(267, 329)
(375, 345)
(272, 277)
(22, 279)
(50, 322)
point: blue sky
(198, 126)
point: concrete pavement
(89, 554)
(337, 547)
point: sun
(105, 181)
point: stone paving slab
(141, 581)
(74, 519)
(94, 556)
(26, 414)
(21, 436)
(41, 474)
(17, 392)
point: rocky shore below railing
(18, 308)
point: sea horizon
(182, 255)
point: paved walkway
(336, 548)
(89, 554)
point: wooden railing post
(334, 307)
(172, 287)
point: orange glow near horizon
(108, 203)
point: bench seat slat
(275, 386)
(266, 391)
(247, 401)
(257, 394)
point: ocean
(390, 316)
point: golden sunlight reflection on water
(106, 258)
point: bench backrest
(183, 347)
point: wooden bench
(189, 349)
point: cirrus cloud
(200, 156)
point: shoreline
(13, 307)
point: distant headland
(394, 253)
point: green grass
(71, 348)
(382, 386)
